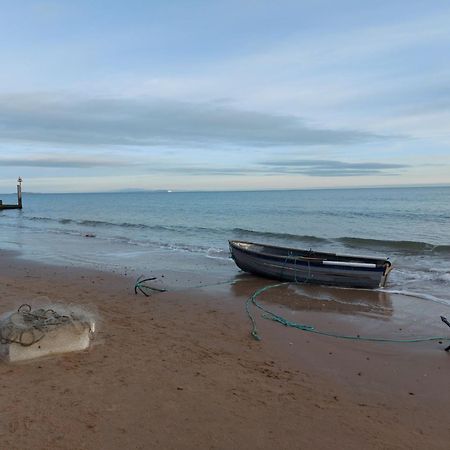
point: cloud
(315, 168)
(198, 170)
(60, 162)
(326, 168)
(147, 122)
(309, 167)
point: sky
(223, 95)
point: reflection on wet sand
(308, 297)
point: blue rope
(310, 328)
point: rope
(311, 329)
(141, 286)
(296, 258)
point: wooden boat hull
(301, 266)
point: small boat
(308, 266)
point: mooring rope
(141, 286)
(267, 314)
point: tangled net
(26, 327)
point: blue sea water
(139, 230)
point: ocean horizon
(168, 190)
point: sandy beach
(180, 370)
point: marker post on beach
(19, 197)
(19, 192)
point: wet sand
(179, 369)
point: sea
(141, 232)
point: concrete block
(64, 339)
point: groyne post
(19, 193)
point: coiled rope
(267, 314)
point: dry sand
(179, 370)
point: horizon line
(136, 190)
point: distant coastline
(159, 191)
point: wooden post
(19, 192)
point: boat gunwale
(379, 262)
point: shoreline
(184, 361)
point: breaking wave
(401, 246)
(124, 225)
(284, 236)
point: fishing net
(29, 333)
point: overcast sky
(107, 95)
